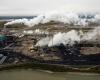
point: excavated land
(79, 53)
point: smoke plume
(70, 37)
(67, 18)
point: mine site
(72, 39)
(50, 40)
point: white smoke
(67, 18)
(64, 38)
(43, 42)
(70, 37)
(27, 22)
(92, 35)
(97, 17)
(17, 21)
(28, 32)
(38, 31)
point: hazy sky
(29, 7)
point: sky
(31, 7)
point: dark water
(15, 17)
(45, 75)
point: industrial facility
(20, 46)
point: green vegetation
(2, 24)
(51, 67)
(34, 66)
(14, 26)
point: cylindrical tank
(3, 39)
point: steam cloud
(67, 18)
(64, 38)
(92, 35)
(70, 37)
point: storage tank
(2, 37)
(3, 40)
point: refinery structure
(52, 42)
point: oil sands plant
(72, 39)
